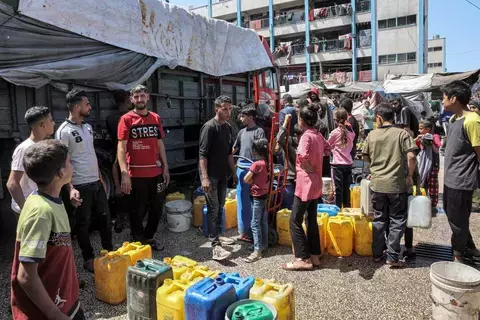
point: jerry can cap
(140, 264)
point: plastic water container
(251, 310)
(366, 198)
(354, 213)
(324, 217)
(331, 209)
(283, 227)
(281, 296)
(232, 194)
(143, 280)
(179, 265)
(230, 214)
(328, 192)
(110, 277)
(205, 221)
(340, 236)
(355, 196)
(244, 208)
(363, 236)
(135, 251)
(242, 285)
(170, 300)
(174, 196)
(422, 191)
(197, 273)
(198, 204)
(419, 212)
(179, 215)
(208, 299)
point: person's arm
(412, 163)
(366, 153)
(14, 187)
(472, 128)
(248, 178)
(236, 145)
(163, 159)
(206, 137)
(75, 199)
(409, 148)
(116, 177)
(123, 132)
(302, 153)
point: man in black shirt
(216, 163)
(404, 117)
(347, 104)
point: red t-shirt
(259, 186)
(141, 134)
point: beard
(85, 114)
(140, 106)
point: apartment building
(372, 37)
(437, 54)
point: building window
(387, 59)
(432, 49)
(411, 57)
(398, 58)
(412, 19)
(402, 21)
(397, 22)
(401, 58)
(435, 65)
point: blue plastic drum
(244, 208)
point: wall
(396, 8)
(228, 9)
(437, 56)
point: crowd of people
(314, 141)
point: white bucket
(455, 291)
(179, 215)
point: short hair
(35, 114)
(458, 89)
(288, 98)
(139, 88)
(426, 124)
(309, 115)
(302, 103)
(121, 96)
(221, 100)
(43, 160)
(74, 97)
(347, 104)
(385, 111)
(249, 110)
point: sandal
(298, 265)
(255, 256)
(315, 260)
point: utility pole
(307, 42)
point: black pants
(326, 169)
(304, 246)
(342, 176)
(94, 200)
(147, 195)
(458, 207)
(390, 212)
(215, 202)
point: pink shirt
(341, 153)
(311, 148)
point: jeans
(259, 223)
(215, 202)
(147, 196)
(389, 212)
(289, 195)
(458, 207)
(342, 176)
(94, 201)
(304, 245)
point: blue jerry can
(242, 285)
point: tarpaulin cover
(34, 53)
(427, 82)
(157, 29)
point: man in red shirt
(143, 165)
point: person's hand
(75, 197)
(166, 177)
(126, 183)
(288, 117)
(118, 190)
(235, 179)
(206, 185)
(307, 167)
(409, 183)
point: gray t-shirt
(79, 141)
(245, 139)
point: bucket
(179, 215)
(328, 192)
(235, 306)
(455, 291)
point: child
(341, 143)
(257, 177)
(44, 277)
(429, 160)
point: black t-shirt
(216, 143)
(356, 129)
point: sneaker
(473, 252)
(226, 240)
(396, 264)
(155, 245)
(255, 256)
(88, 265)
(118, 226)
(220, 253)
(467, 259)
(378, 259)
(409, 254)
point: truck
(183, 96)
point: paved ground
(349, 288)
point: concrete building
(360, 40)
(437, 54)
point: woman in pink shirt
(308, 190)
(341, 142)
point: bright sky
(456, 20)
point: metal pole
(239, 13)
(373, 10)
(270, 24)
(209, 8)
(307, 43)
(354, 40)
(421, 36)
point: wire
(11, 17)
(473, 4)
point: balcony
(340, 77)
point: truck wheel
(272, 237)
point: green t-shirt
(387, 148)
